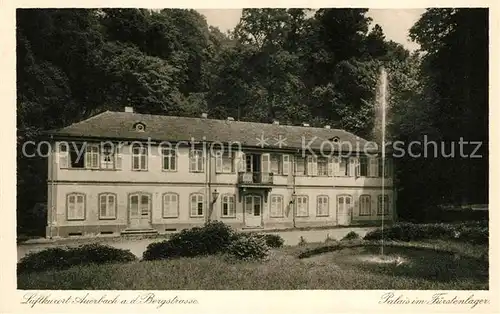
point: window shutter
(63, 155)
(354, 167)
(309, 165)
(88, 157)
(118, 157)
(336, 165)
(218, 162)
(331, 166)
(266, 164)
(240, 156)
(314, 165)
(286, 165)
(388, 168)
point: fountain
(380, 137)
(382, 100)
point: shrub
(213, 238)
(248, 247)
(272, 240)
(350, 236)
(477, 233)
(62, 258)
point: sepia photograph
(253, 149)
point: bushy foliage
(62, 258)
(476, 233)
(248, 247)
(272, 240)
(213, 238)
(350, 236)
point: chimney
(204, 115)
(276, 122)
(327, 127)
(129, 109)
(230, 119)
(305, 124)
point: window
(312, 165)
(76, 156)
(89, 156)
(139, 158)
(363, 166)
(170, 205)
(276, 164)
(383, 203)
(196, 159)
(387, 169)
(322, 166)
(75, 206)
(107, 156)
(373, 168)
(140, 127)
(92, 156)
(228, 206)
(107, 206)
(300, 168)
(276, 206)
(197, 205)
(169, 159)
(365, 205)
(322, 206)
(224, 162)
(248, 163)
(140, 204)
(302, 206)
(343, 169)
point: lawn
(436, 265)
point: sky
(394, 22)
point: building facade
(123, 172)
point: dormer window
(335, 139)
(139, 127)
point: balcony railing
(263, 178)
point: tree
(455, 73)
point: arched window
(365, 208)
(322, 206)
(228, 205)
(75, 206)
(107, 206)
(170, 205)
(197, 205)
(276, 205)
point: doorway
(253, 210)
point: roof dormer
(335, 139)
(139, 127)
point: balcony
(255, 178)
(249, 182)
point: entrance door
(140, 211)
(253, 211)
(344, 210)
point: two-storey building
(124, 172)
